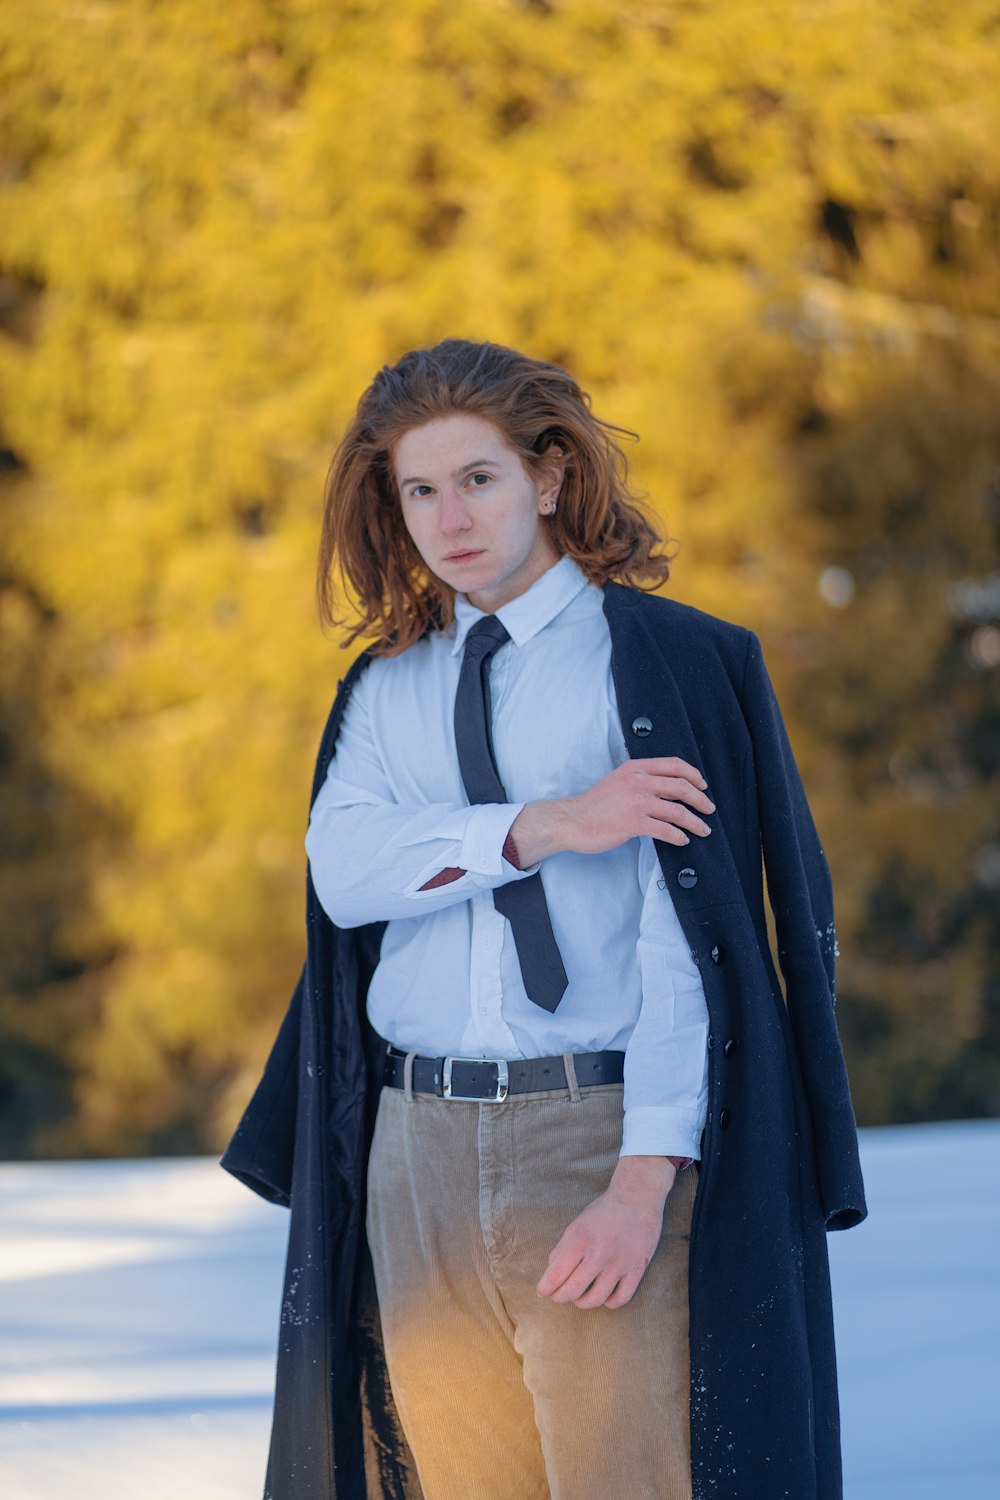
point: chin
(470, 575)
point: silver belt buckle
(503, 1078)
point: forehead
(448, 443)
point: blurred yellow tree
(763, 234)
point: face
(475, 514)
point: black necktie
(522, 902)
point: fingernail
(711, 805)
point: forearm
(543, 828)
(374, 862)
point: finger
(682, 817)
(562, 1263)
(574, 1286)
(672, 765)
(625, 1290)
(676, 790)
(550, 1282)
(597, 1295)
(656, 828)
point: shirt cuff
(480, 862)
(481, 851)
(651, 1130)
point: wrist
(642, 1181)
(540, 829)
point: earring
(551, 509)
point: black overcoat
(779, 1156)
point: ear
(552, 473)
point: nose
(454, 512)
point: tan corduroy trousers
(503, 1393)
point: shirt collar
(531, 611)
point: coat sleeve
(801, 896)
(261, 1151)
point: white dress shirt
(393, 812)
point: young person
(560, 1154)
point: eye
(474, 479)
(418, 491)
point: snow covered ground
(138, 1309)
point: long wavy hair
(537, 407)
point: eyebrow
(477, 463)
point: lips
(464, 556)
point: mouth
(459, 557)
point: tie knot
(486, 636)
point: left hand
(603, 1254)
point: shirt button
(687, 877)
(642, 726)
(487, 942)
(484, 1010)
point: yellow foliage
(740, 223)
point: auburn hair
(537, 407)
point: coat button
(687, 877)
(718, 954)
(725, 1119)
(730, 1047)
(642, 726)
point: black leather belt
(491, 1079)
